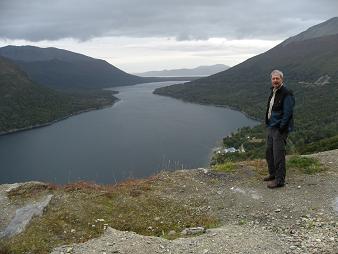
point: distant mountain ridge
(60, 68)
(329, 27)
(32, 54)
(198, 71)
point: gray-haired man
(279, 122)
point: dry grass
(29, 190)
(259, 166)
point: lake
(139, 135)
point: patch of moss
(242, 222)
(225, 167)
(306, 165)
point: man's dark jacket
(282, 110)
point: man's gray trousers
(275, 153)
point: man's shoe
(274, 184)
(269, 178)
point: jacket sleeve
(288, 105)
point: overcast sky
(141, 35)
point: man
(279, 122)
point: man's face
(276, 80)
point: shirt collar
(275, 90)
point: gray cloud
(38, 20)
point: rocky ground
(302, 217)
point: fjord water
(138, 136)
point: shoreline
(13, 131)
(215, 105)
(212, 104)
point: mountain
(310, 66)
(326, 28)
(24, 104)
(198, 71)
(60, 68)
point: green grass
(306, 165)
(225, 167)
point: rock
(24, 215)
(172, 233)
(278, 210)
(193, 231)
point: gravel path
(227, 239)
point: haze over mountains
(198, 71)
(309, 61)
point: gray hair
(278, 72)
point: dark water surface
(136, 137)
